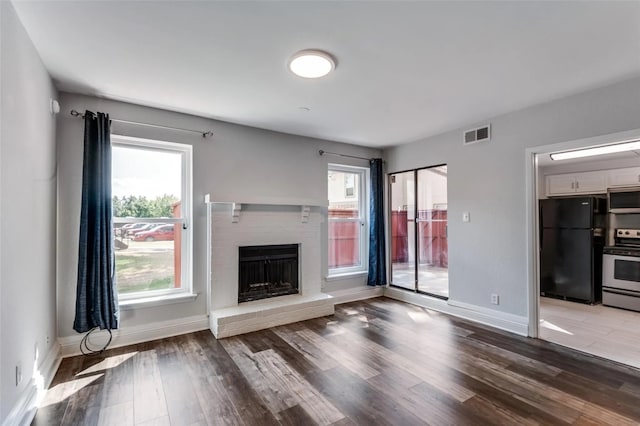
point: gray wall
(27, 210)
(488, 255)
(239, 163)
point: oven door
(621, 272)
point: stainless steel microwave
(625, 200)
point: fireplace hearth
(267, 271)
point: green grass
(155, 284)
(144, 270)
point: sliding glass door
(402, 196)
(419, 248)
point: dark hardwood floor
(378, 362)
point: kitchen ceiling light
(311, 64)
(599, 150)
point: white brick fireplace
(235, 225)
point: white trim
(346, 276)
(186, 204)
(70, 345)
(513, 323)
(268, 201)
(356, 293)
(363, 206)
(531, 232)
(151, 302)
(50, 364)
(24, 410)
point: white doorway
(593, 328)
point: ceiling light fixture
(311, 63)
(598, 150)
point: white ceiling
(405, 70)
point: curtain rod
(157, 126)
(321, 152)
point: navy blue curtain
(96, 293)
(377, 255)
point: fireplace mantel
(236, 206)
(269, 201)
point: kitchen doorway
(555, 314)
(419, 243)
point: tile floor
(599, 330)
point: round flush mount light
(311, 63)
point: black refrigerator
(571, 243)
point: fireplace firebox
(267, 271)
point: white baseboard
(70, 345)
(502, 320)
(356, 293)
(24, 410)
(505, 321)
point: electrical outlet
(495, 299)
(466, 217)
(47, 340)
(18, 373)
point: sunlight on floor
(60, 392)
(363, 318)
(107, 363)
(418, 317)
(550, 326)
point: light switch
(466, 217)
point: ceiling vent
(479, 134)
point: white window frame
(362, 188)
(186, 202)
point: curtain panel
(96, 293)
(377, 251)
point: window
(151, 189)
(348, 231)
(350, 185)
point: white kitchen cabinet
(591, 182)
(624, 177)
(560, 184)
(577, 183)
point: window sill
(346, 275)
(150, 302)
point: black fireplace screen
(267, 271)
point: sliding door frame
(416, 244)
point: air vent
(477, 135)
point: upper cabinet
(591, 182)
(624, 177)
(577, 183)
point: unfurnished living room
(319, 212)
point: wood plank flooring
(375, 362)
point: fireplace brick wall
(263, 226)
